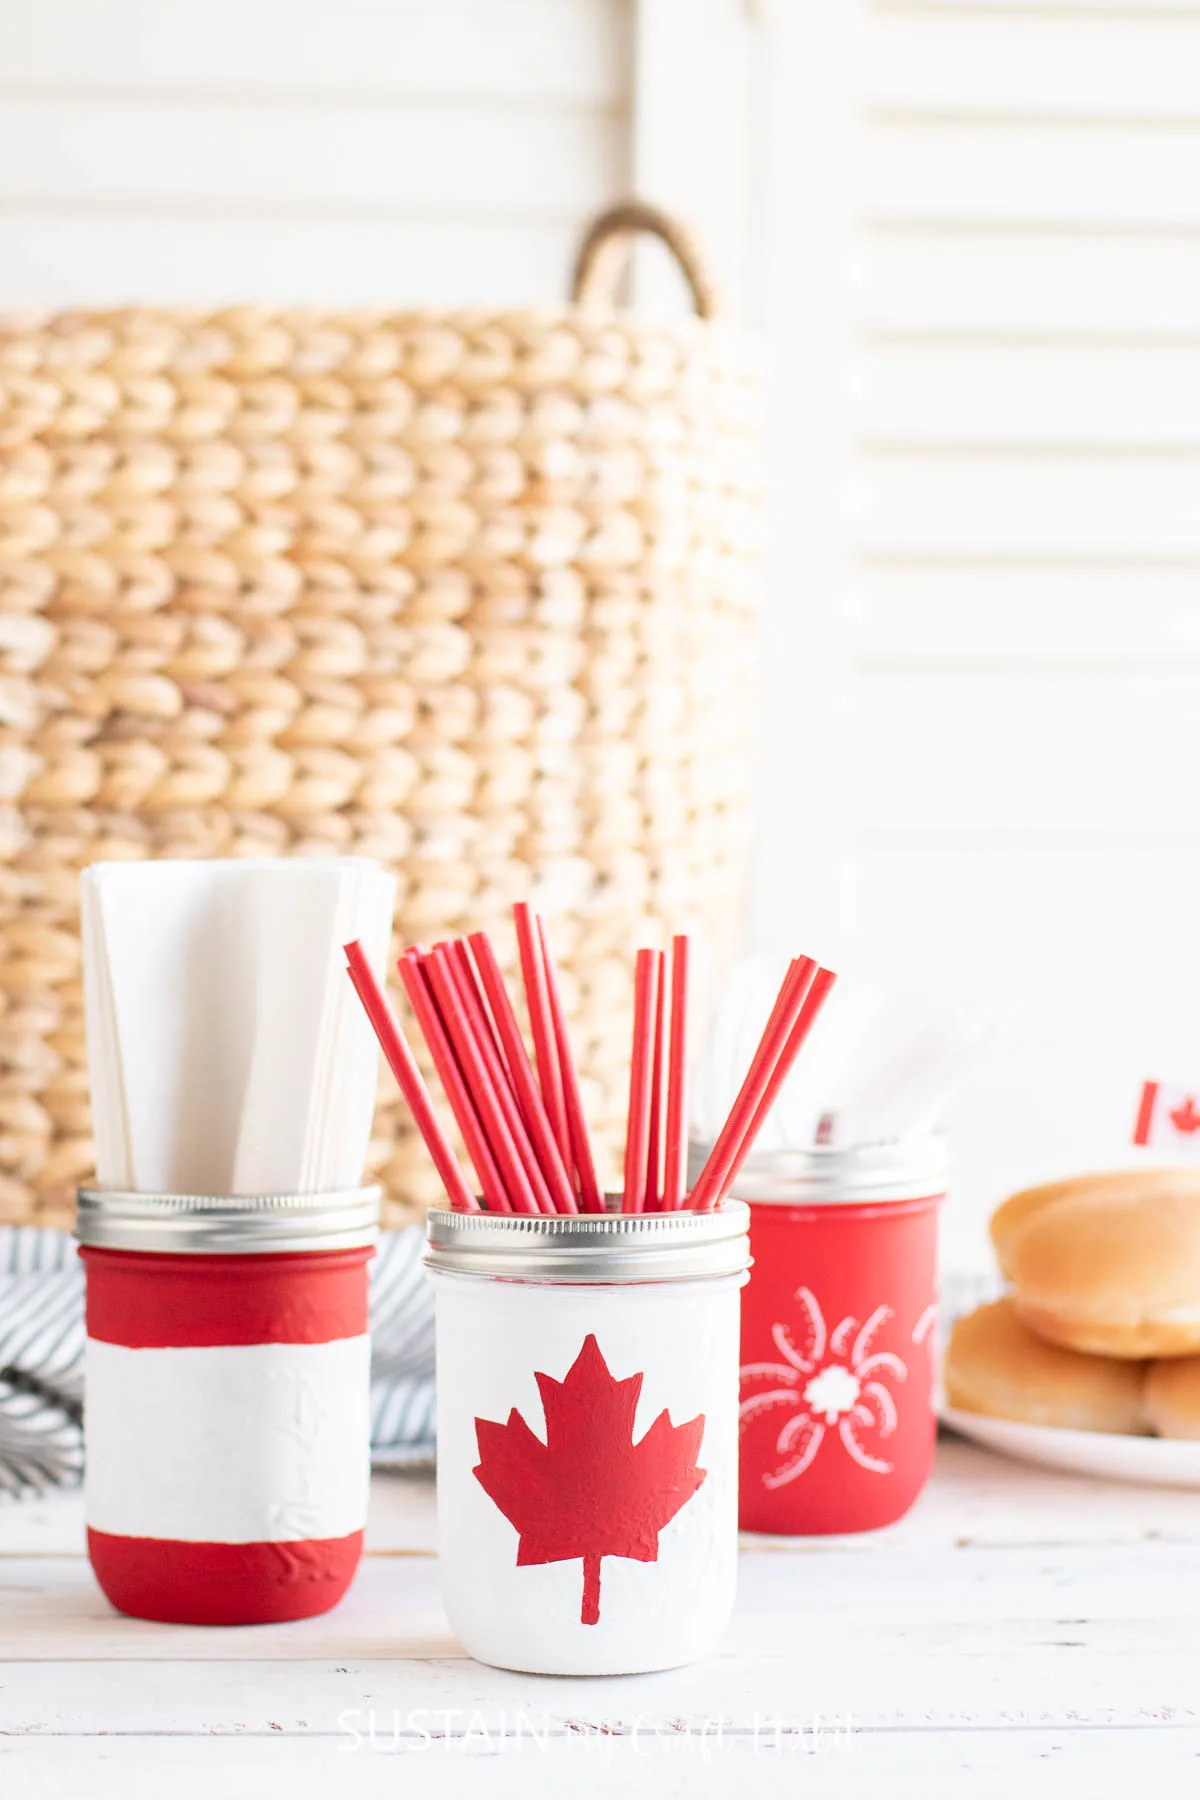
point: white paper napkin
(228, 1051)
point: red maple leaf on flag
(1185, 1118)
(589, 1491)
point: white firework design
(842, 1391)
(925, 1331)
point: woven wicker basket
(471, 593)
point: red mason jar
(839, 1352)
(227, 1401)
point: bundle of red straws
(521, 1118)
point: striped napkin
(41, 1358)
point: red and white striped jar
(227, 1401)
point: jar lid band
(830, 1175)
(600, 1249)
(227, 1224)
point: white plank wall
(1021, 571)
(973, 230)
(331, 151)
(983, 288)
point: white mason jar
(587, 1375)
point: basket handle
(608, 242)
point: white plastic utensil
(741, 1010)
(902, 1094)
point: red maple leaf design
(1185, 1118)
(589, 1491)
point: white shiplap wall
(990, 283)
(973, 232)
(331, 151)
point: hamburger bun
(1114, 1273)
(1173, 1397)
(1010, 1217)
(996, 1365)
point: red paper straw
(581, 1145)
(654, 1144)
(416, 985)
(521, 1069)
(814, 1000)
(637, 1128)
(403, 1065)
(481, 1031)
(541, 1025)
(477, 1006)
(439, 969)
(762, 1067)
(675, 1169)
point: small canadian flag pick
(1169, 1118)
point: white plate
(1161, 1462)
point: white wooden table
(1020, 1633)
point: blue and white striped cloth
(41, 1358)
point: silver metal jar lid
(596, 1248)
(226, 1224)
(826, 1175)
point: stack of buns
(1100, 1330)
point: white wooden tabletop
(1021, 1632)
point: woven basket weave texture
(471, 592)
